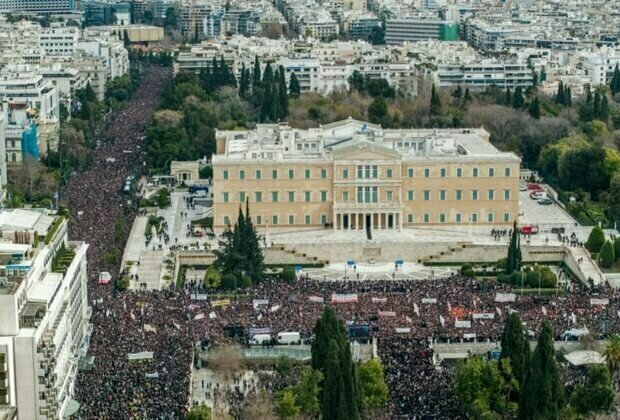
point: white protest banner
(403, 330)
(344, 298)
(499, 311)
(153, 375)
(544, 311)
(149, 328)
(442, 321)
(416, 309)
(275, 308)
(484, 316)
(316, 299)
(379, 300)
(429, 300)
(143, 355)
(594, 301)
(505, 297)
(212, 315)
(257, 302)
(199, 316)
(469, 336)
(462, 324)
(386, 313)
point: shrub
(595, 240)
(501, 264)
(515, 278)
(245, 281)
(288, 274)
(213, 277)
(617, 248)
(122, 283)
(504, 278)
(229, 281)
(541, 276)
(467, 270)
(607, 255)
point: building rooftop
(336, 140)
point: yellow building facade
(352, 175)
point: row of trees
(529, 385)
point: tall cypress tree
(508, 98)
(597, 105)
(294, 86)
(518, 101)
(569, 96)
(265, 108)
(435, 108)
(215, 74)
(268, 74)
(334, 394)
(534, 108)
(243, 83)
(274, 103)
(282, 93)
(256, 77)
(515, 347)
(467, 97)
(588, 94)
(559, 96)
(542, 391)
(615, 81)
(604, 109)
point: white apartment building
(92, 70)
(59, 41)
(484, 74)
(19, 84)
(318, 26)
(306, 70)
(600, 67)
(66, 79)
(113, 54)
(3, 174)
(44, 313)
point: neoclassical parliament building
(352, 175)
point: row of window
(275, 219)
(275, 196)
(458, 218)
(367, 172)
(426, 218)
(458, 195)
(367, 195)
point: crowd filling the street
(404, 317)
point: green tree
(515, 348)
(612, 354)
(617, 248)
(307, 391)
(607, 256)
(331, 355)
(256, 76)
(467, 98)
(596, 239)
(378, 112)
(513, 260)
(243, 82)
(294, 86)
(357, 81)
(213, 277)
(229, 281)
(372, 381)
(542, 391)
(286, 406)
(482, 389)
(170, 21)
(534, 108)
(508, 98)
(615, 81)
(284, 366)
(268, 74)
(435, 108)
(597, 395)
(541, 276)
(199, 412)
(288, 274)
(518, 100)
(377, 35)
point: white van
(288, 338)
(260, 340)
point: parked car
(534, 186)
(522, 187)
(537, 195)
(545, 201)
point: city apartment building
(484, 74)
(401, 30)
(38, 6)
(353, 175)
(44, 314)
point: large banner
(221, 302)
(143, 355)
(316, 299)
(462, 324)
(599, 301)
(429, 300)
(258, 302)
(379, 300)
(484, 316)
(344, 298)
(262, 330)
(403, 330)
(505, 297)
(387, 313)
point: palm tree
(612, 354)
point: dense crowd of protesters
(404, 316)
